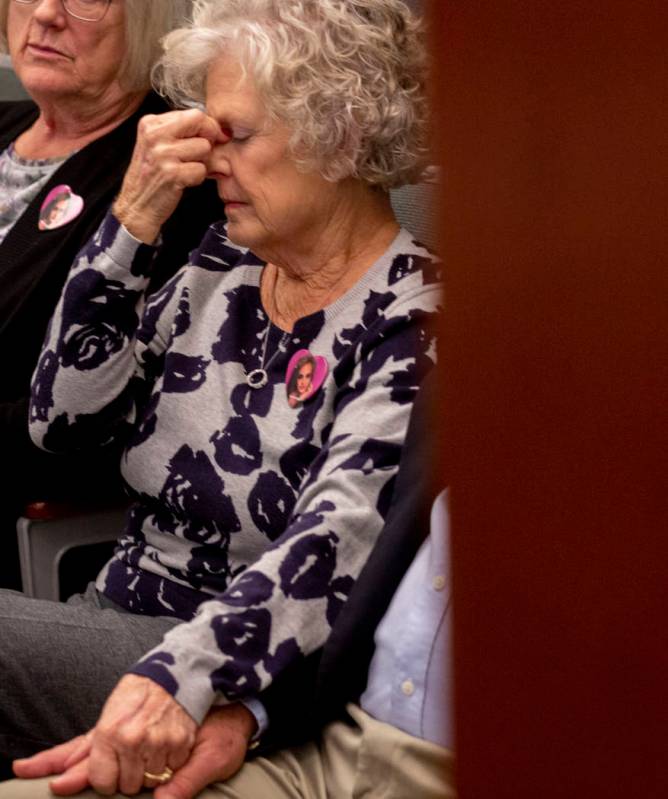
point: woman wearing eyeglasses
(86, 66)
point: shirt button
(407, 687)
(438, 582)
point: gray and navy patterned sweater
(251, 519)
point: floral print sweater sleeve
(251, 518)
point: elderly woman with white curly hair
(252, 515)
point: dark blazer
(302, 700)
(33, 268)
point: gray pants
(60, 661)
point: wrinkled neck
(63, 127)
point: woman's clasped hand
(144, 739)
(141, 730)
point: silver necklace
(258, 378)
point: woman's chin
(240, 232)
(46, 80)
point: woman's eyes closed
(236, 134)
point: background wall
(10, 88)
(552, 132)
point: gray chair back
(415, 206)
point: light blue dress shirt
(410, 675)
(409, 684)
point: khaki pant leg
(289, 774)
(390, 764)
(27, 789)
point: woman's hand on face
(171, 153)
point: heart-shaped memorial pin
(304, 376)
(60, 206)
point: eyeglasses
(87, 10)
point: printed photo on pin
(60, 206)
(304, 376)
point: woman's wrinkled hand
(141, 729)
(218, 752)
(171, 153)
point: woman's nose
(48, 12)
(218, 160)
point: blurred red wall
(552, 133)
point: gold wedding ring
(166, 775)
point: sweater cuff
(195, 697)
(125, 250)
(259, 711)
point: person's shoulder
(16, 112)
(153, 103)
(123, 135)
(407, 279)
(409, 261)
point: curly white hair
(348, 77)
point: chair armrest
(48, 530)
(45, 511)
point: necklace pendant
(257, 378)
